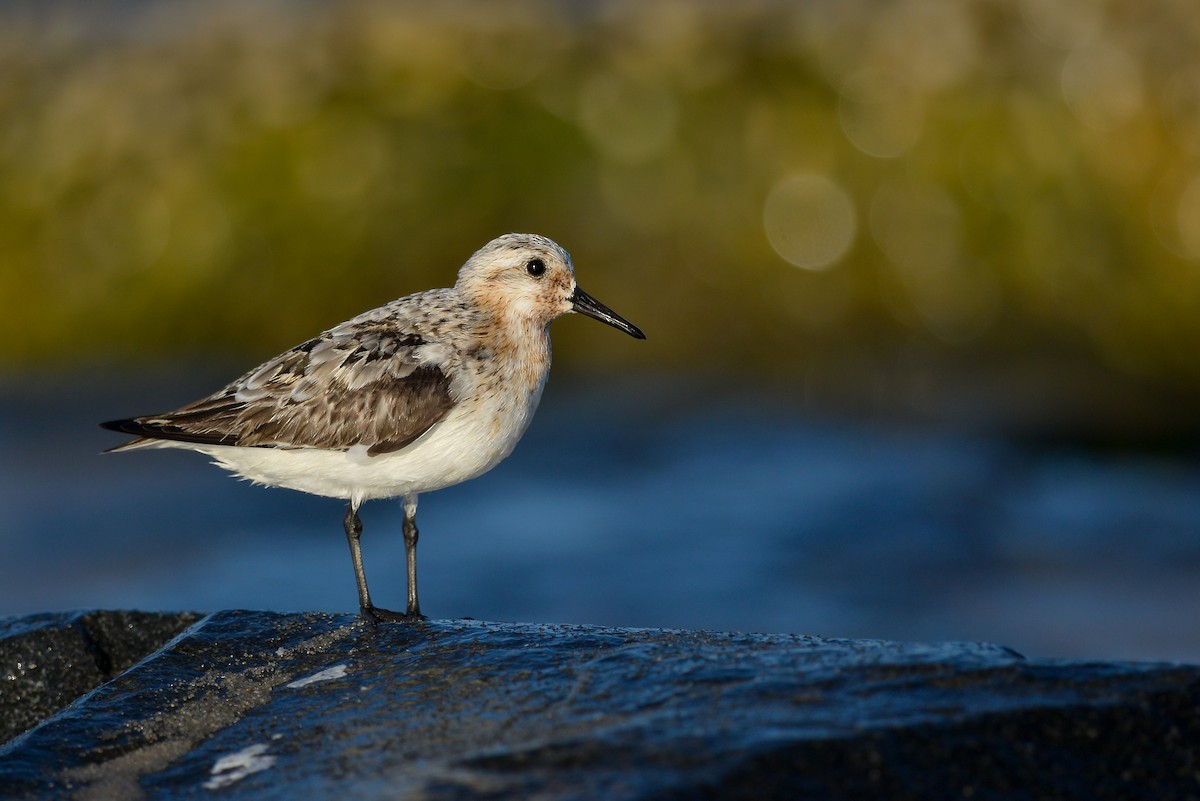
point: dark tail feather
(144, 429)
(128, 426)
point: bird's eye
(535, 267)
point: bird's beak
(585, 304)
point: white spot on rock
(234, 767)
(328, 674)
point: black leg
(410, 553)
(353, 528)
(370, 612)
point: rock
(47, 661)
(257, 705)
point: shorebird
(421, 393)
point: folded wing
(366, 384)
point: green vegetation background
(1023, 181)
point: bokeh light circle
(809, 220)
(880, 113)
(1102, 85)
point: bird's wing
(362, 383)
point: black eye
(535, 267)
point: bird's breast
(506, 385)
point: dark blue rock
(49, 660)
(255, 705)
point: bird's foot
(375, 615)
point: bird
(419, 394)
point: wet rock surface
(49, 660)
(258, 705)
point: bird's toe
(375, 615)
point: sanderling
(424, 392)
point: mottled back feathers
(367, 382)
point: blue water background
(633, 502)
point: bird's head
(532, 278)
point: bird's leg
(370, 612)
(410, 553)
(353, 528)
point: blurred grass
(992, 183)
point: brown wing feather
(360, 384)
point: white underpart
(470, 440)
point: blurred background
(921, 281)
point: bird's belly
(467, 443)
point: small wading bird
(424, 392)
